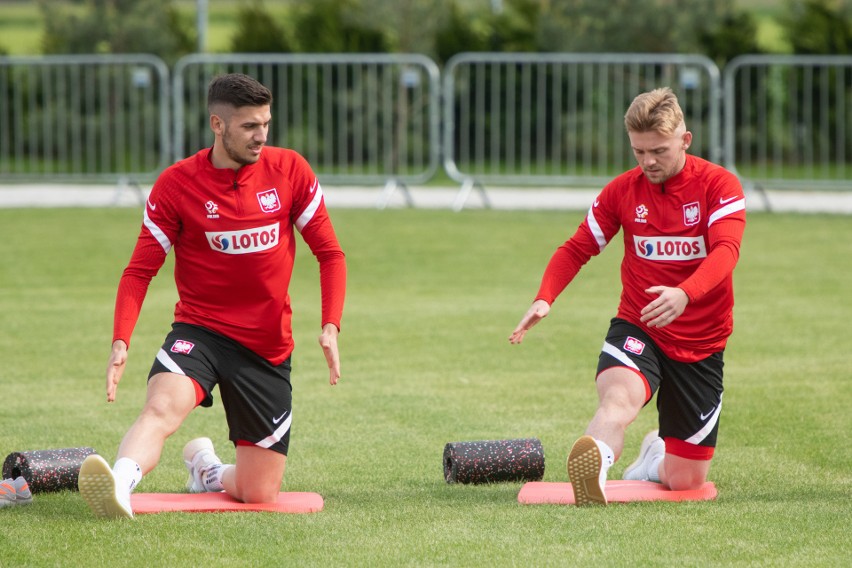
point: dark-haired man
(230, 213)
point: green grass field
(433, 296)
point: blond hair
(654, 111)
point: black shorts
(689, 395)
(256, 394)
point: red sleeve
(725, 237)
(132, 288)
(724, 234)
(153, 244)
(312, 220)
(590, 239)
(565, 263)
(320, 237)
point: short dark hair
(237, 90)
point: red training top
(232, 232)
(683, 233)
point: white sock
(654, 468)
(607, 459)
(127, 473)
(212, 478)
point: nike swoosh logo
(706, 416)
(727, 200)
(596, 203)
(151, 205)
(277, 420)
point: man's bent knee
(686, 481)
(683, 475)
(257, 494)
(258, 474)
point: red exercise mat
(541, 492)
(220, 502)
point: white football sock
(127, 473)
(654, 467)
(212, 477)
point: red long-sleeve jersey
(683, 233)
(234, 243)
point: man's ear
(217, 124)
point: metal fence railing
(83, 117)
(788, 121)
(558, 118)
(552, 119)
(357, 119)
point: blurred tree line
(441, 28)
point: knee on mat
(259, 495)
(685, 480)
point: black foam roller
(47, 470)
(491, 461)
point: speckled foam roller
(47, 470)
(491, 461)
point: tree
(458, 35)
(624, 26)
(335, 26)
(818, 27)
(735, 34)
(257, 32)
(516, 27)
(117, 26)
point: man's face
(659, 155)
(242, 132)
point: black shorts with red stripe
(256, 395)
(689, 395)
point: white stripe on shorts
(276, 436)
(614, 351)
(169, 363)
(699, 436)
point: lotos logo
(220, 242)
(670, 248)
(269, 201)
(182, 347)
(244, 242)
(634, 345)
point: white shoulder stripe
(597, 232)
(157, 232)
(732, 207)
(311, 209)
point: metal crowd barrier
(547, 119)
(788, 121)
(558, 118)
(357, 119)
(83, 117)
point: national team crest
(269, 202)
(212, 210)
(634, 345)
(691, 214)
(183, 347)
